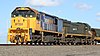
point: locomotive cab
(22, 20)
(20, 17)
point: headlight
(10, 34)
(26, 34)
(14, 15)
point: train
(96, 34)
(30, 26)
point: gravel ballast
(50, 50)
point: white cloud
(83, 6)
(98, 19)
(43, 2)
(98, 14)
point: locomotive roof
(37, 12)
(26, 8)
(51, 15)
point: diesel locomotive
(96, 34)
(30, 26)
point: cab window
(23, 13)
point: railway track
(14, 45)
(44, 45)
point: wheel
(22, 43)
(74, 43)
(17, 43)
(45, 43)
(27, 43)
(51, 44)
(30, 42)
(41, 43)
(48, 43)
(69, 43)
(37, 43)
(33, 43)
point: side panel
(81, 29)
(97, 32)
(66, 25)
(48, 22)
(74, 28)
(60, 25)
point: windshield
(23, 13)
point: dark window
(23, 13)
(38, 16)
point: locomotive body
(96, 34)
(31, 26)
(76, 32)
(23, 20)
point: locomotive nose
(20, 22)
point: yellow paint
(12, 33)
(20, 22)
(22, 8)
(97, 38)
(24, 24)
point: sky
(87, 11)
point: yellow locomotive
(31, 26)
(24, 23)
(22, 20)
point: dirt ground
(50, 50)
